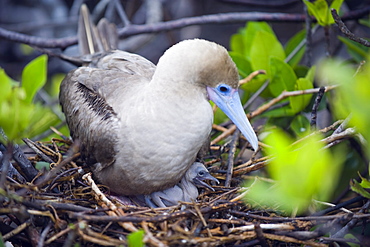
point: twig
(352, 223)
(36, 149)
(100, 197)
(252, 227)
(26, 166)
(344, 134)
(5, 164)
(149, 238)
(293, 240)
(44, 234)
(316, 106)
(202, 219)
(43, 180)
(284, 95)
(159, 218)
(59, 234)
(251, 76)
(230, 159)
(343, 28)
(17, 230)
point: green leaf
(321, 10)
(300, 125)
(5, 85)
(293, 54)
(365, 183)
(41, 165)
(336, 4)
(2, 244)
(41, 119)
(311, 74)
(265, 45)
(15, 114)
(243, 65)
(299, 103)
(357, 51)
(252, 29)
(237, 44)
(356, 187)
(34, 76)
(282, 76)
(19, 117)
(135, 239)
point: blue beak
(228, 100)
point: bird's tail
(93, 39)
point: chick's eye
(223, 88)
(201, 173)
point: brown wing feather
(86, 110)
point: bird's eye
(223, 88)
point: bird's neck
(189, 189)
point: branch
(343, 28)
(131, 30)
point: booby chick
(141, 126)
(185, 191)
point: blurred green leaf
(303, 172)
(2, 244)
(364, 22)
(352, 97)
(34, 76)
(351, 236)
(135, 239)
(292, 47)
(26, 49)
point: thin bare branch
(131, 30)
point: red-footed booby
(140, 125)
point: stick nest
(63, 205)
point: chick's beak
(199, 181)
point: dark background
(58, 19)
